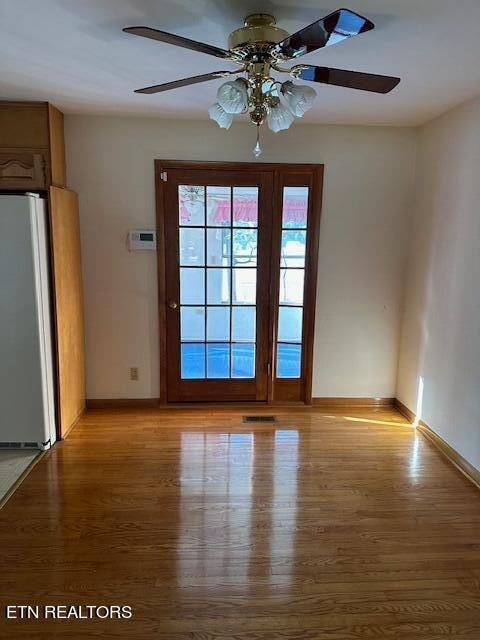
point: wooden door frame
(231, 388)
(311, 267)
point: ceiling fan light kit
(279, 118)
(221, 117)
(260, 48)
(299, 97)
(233, 96)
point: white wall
(441, 325)
(367, 196)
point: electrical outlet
(133, 373)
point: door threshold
(233, 404)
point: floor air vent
(259, 418)
(18, 445)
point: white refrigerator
(27, 409)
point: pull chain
(257, 150)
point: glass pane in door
(292, 282)
(192, 246)
(218, 324)
(192, 286)
(218, 247)
(293, 248)
(191, 205)
(245, 206)
(243, 360)
(192, 324)
(193, 360)
(295, 208)
(243, 324)
(218, 237)
(245, 247)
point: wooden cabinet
(25, 170)
(32, 148)
(68, 304)
(32, 158)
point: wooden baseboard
(74, 423)
(404, 410)
(138, 403)
(122, 403)
(367, 403)
(468, 470)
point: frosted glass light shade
(221, 117)
(232, 96)
(279, 118)
(299, 97)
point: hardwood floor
(323, 526)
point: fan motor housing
(260, 28)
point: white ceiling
(74, 54)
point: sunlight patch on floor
(372, 421)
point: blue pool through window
(217, 360)
(289, 359)
(193, 360)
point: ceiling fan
(260, 47)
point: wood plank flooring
(322, 526)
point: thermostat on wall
(142, 239)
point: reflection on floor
(12, 464)
(338, 526)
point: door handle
(172, 304)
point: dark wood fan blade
(158, 88)
(350, 79)
(334, 28)
(179, 41)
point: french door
(237, 271)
